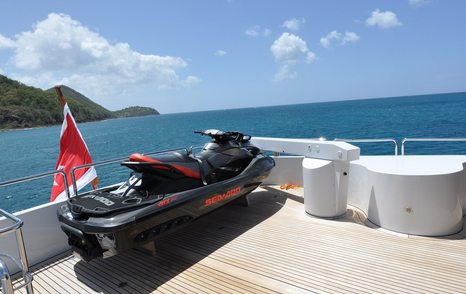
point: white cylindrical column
(324, 191)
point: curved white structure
(325, 182)
(324, 171)
(420, 195)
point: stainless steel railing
(39, 176)
(5, 279)
(16, 226)
(403, 142)
(371, 141)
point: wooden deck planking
(197, 272)
(271, 246)
(213, 277)
(137, 275)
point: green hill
(83, 108)
(22, 106)
(135, 111)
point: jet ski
(163, 192)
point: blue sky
(180, 56)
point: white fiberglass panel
(420, 195)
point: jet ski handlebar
(220, 136)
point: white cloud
(284, 73)
(383, 19)
(191, 80)
(417, 3)
(59, 49)
(253, 31)
(266, 32)
(327, 40)
(342, 39)
(288, 49)
(310, 57)
(257, 31)
(293, 24)
(6, 42)
(220, 53)
(349, 37)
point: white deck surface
(414, 165)
(271, 246)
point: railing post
(23, 257)
(24, 265)
(403, 146)
(5, 279)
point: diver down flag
(73, 152)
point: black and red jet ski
(163, 192)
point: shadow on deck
(134, 271)
(271, 246)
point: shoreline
(59, 124)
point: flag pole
(73, 153)
(61, 98)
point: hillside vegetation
(22, 106)
(83, 108)
(135, 111)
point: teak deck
(271, 246)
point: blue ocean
(32, 151)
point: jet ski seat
(177, 161)
(170, 172)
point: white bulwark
(418, 195)
(414, 195)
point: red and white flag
(73, 152)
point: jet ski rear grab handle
(118, 160)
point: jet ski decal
(164, 202)
(101, 199)
(220, 197)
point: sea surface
(33, 151)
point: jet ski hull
(119, 231)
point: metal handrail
(17, 223)
(109, 161)
(428, 140)
(370, 141)
(4, 273)
(16, 227)
(39, 176)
